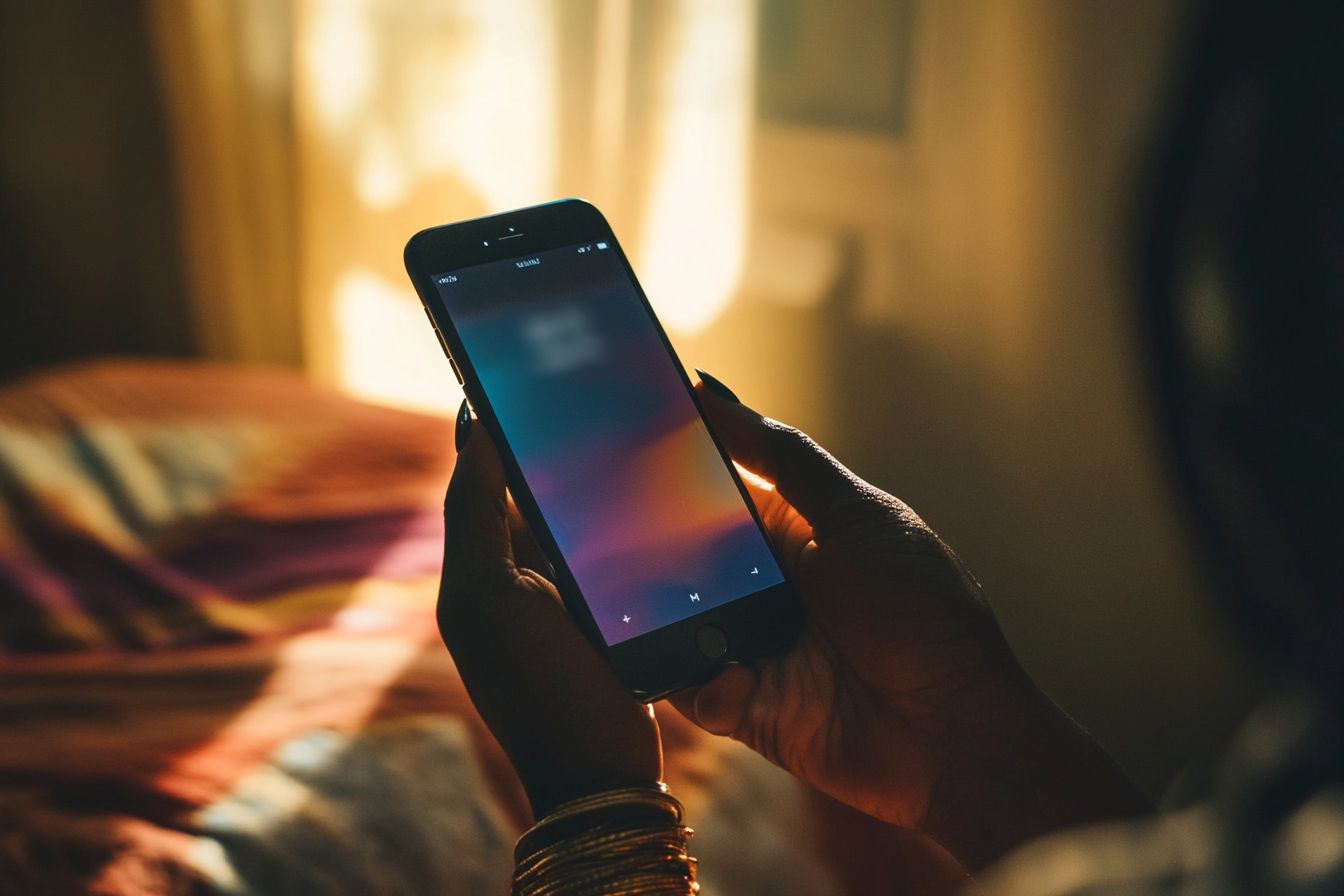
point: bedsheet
(219, 671)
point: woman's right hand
(901, 697)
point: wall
(973, 353)
(90, 262)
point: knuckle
(791, 437)
(870, 512)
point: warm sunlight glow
(418, 114)
(754, 480)
(695, 224)
(381, 180)
(480, 102)
(340, 61)
(390, 354)
(421, 114)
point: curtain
(227, 75)
(315, 136)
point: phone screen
(611, 445)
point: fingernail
(717, 387)
(463, 431)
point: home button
(711, 641)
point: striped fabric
(220, 670)
(149, 505)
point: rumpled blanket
(219, 671)
(149, 505)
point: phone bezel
(666, 659)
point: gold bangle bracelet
(626, 841)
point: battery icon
(601, 245)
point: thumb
(720, 705)
(557, 709)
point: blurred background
(898, 224)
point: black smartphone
(657, 549)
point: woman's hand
(564, 720)
(901, 697)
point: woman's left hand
(565, 721)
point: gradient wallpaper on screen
(636, 494)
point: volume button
(447, 354)
(443, 344)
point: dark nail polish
(717, 387)
(463, 431)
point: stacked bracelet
(627, 841)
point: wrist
(626, 840)
(546, 800)
(1041, 772)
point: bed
(219, 671)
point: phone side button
(712, 642)
(443, 344)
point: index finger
(823, 490)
